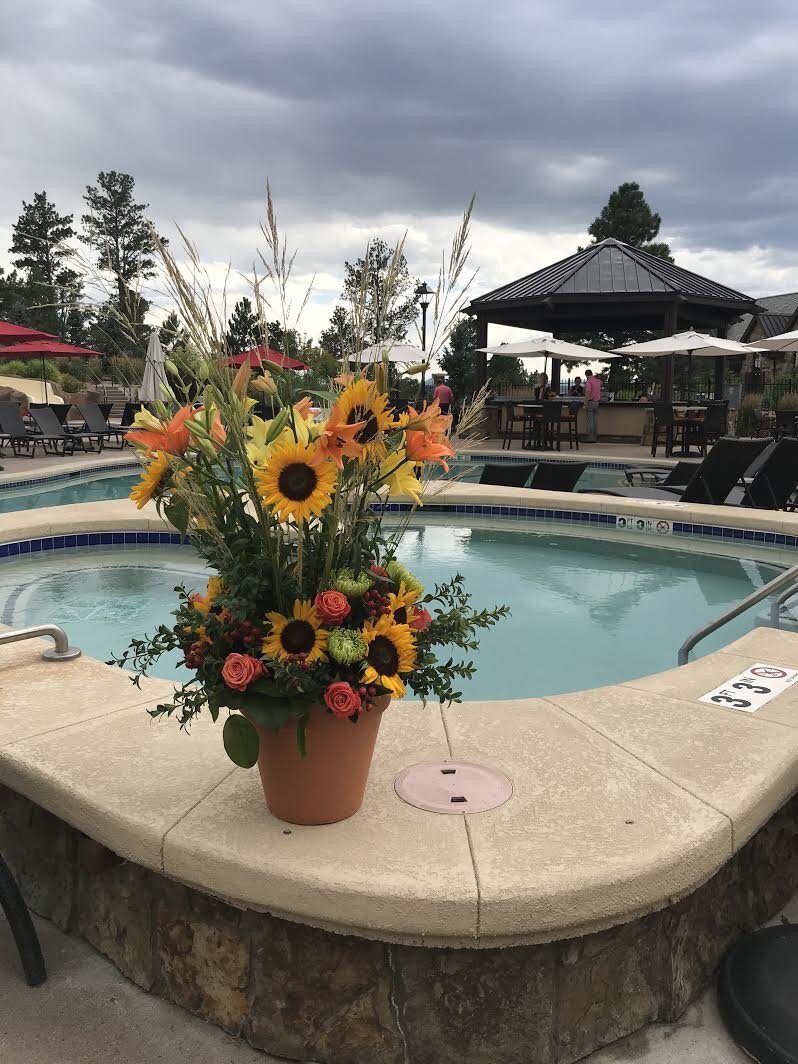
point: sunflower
(300, 635)
(361, 401)
(152, 479)
(391, 651)
(401, 603)
(294, 484)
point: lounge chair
(713, 479)
(96, 423)
(662, 476)
(774, 483)
(13, 431)
(557, 476)
(507, 475)
(53, 433)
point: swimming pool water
(584, 612)
(107, 486)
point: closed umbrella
(154, 380)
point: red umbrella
(258, 355)
(43, 348)
(11, 334)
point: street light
(424, 295)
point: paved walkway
(87, 1013)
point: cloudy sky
(371, 117)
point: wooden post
(555, 374)
(481, 359)
(669, 326)
(720, 367)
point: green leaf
(328, 397)
(241, 741)
(176, 513)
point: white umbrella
(393, 351)
(152, 386)
(548, 345)
(686, 343)
(783, 342)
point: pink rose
(239, 670)
(342, 700)
(421, 619)
(332, 606)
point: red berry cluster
(245, 634)
(376, 603)
(299, 659)
(195, 655)
(379, 570)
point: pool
(585, 612)
(102, 487)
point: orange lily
(344, 379)
(338, 439)
(428, 447)
(429, 420)
(171, 437)
(302, 408)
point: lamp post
(424, 295)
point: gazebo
(611, 287)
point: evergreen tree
(116, 227)
(39, 243)
(243, 330)
(172, 334)
(628, 217)
(337, 339)
(458, 358)
(504, 372)
(386, 316)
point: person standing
(592, 400)
(445, 396)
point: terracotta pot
(327, 785)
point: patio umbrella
(258, 355)
(394, 352)
(783, 342)
(547, 345)
(47, 349)
(687, 343)
(154, 380)
(12, 334)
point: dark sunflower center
(369, 430)
(400, 615)
(297, 481)
(383, 656)
(298, 637)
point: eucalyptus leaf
(241, 741)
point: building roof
(784, 307)
(610, 268)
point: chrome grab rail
(62, 651)
(787, 579)
(777, 603)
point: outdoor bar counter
(619, 422)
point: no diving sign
(752, 689)
(631, 523)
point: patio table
(689, 416)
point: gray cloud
(358, 109)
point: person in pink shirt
(444, 394)
(592, 400)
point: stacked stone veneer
(306, 994)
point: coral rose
(421, 619)
(332, 606)
(342, 700)
(239, 670)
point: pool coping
(626, 797)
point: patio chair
(713, 425)
(13, 905)
(128, 413)
(775, 481)
(59, 409)
(506, 475)
(551, 421)
(557, 476)
(97, 423)
(569, 418)
(663, 426)
(514, 415)
(13, 431)
(713, 478)
(786, 423)
(53, 434)
(662, 476)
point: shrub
(31, 369)
(70, 383)
(788, 401)
(749, 415)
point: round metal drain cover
(453, 787)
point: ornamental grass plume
(286, 504)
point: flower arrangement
(311, 620)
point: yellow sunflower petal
(362, 401)
(292, 486)
(151, 479)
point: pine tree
(39, 241)
(386, 316)
(172, 334)
(116, 227)
(337, 339)
(243, 330)
(628, 217)
(458, 359)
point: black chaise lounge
(47, 423)
(772, 481)
(557, 476)
(506, 475)
(13, 905)
(13, 431)
(97, 423)
(713, 479)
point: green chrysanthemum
(350, 585)
(400, 575)
(346, 646)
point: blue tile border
(91, 539)
(71, 474)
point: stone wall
(306, 994)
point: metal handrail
(789, 578)
(777, 603)
(62, 651)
